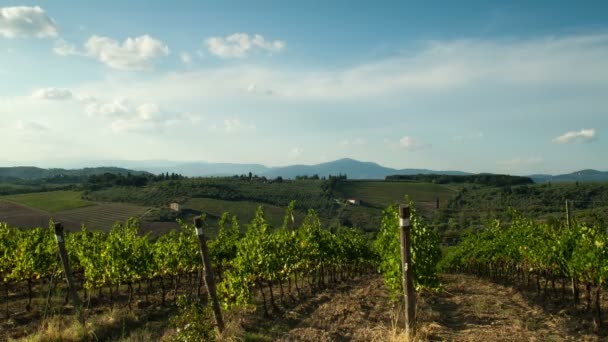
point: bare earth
(468, 309)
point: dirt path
(473, 309)
(469, 309)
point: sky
(480, 86)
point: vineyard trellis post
(567, 214)
(63, 255)
(209, 279)
(407, 270)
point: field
(36, 209)
(244, 210)
(101, 216)
(22, 216)
(307, 193)
(380, 194)
(52, 201)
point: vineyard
(561, 260)
(263, 267)
(272, 264)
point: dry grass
(98, 327)
(59, 329)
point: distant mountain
(197, 169)
(579, 176)
(354, 169)
(33, 173)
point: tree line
(480, 179)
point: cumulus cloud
(63, 48)
(236, 125)
(584, 135)
(114, 108)
(23, 21)
(52, 94)
(126, 116)
(439, 66)
(411, 143)
(132, 54)
(240, 45)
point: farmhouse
(353, 201)
(175, 207)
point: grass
(52, 201)
(381, 194)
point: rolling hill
(33, 173)
(579, 176)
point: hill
(578, 176)
(35, 173)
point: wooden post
(568, 214)
(437, 203)
(67, 269)
(209, 280)
(408, 272)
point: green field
(52, 201)
(244, 210)
(381, 194)
(101, 216)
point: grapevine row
(538, 254)
(274, 263)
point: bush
(193, 322)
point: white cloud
(29, 126)
(133, 54)
(439, 66)
(236, 125)
(295, 153)
(63, 48)
(126, 116)
(114, 108)
(25, 21)
(255, 89)
(239, 45)
(411, 143)
(584, 135)
(185, 57)
(52, 94)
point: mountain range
(353, 168)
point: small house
(175, 207)
(353, 201)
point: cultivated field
(101, 216)
(381, 194)
(244, 210)
(52, 201)
(21, 216)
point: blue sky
(479, 86)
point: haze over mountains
(353, 168)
